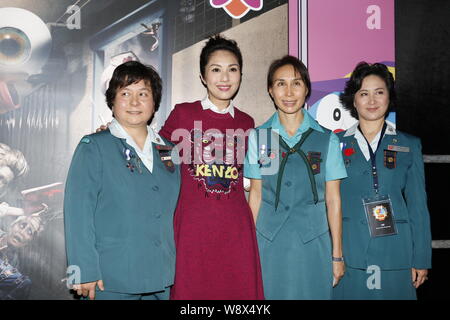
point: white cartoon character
(331, 114)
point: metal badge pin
(127, 153)
(263, 148)
(347, 162)
(130, 166)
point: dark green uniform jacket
(119, 216)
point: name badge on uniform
(166, 158)
(390, 159)
(380, 216)
(397, 148)
(314, 159)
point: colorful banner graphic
(237, 8)
(331, 37)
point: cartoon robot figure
(326, 108)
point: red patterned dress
(217, 253)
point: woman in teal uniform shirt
(295, 167)
(120, 196)
(386, 227)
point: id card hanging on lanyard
(378, 209)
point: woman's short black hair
(298, 66)
(215, 43)
(132, 72)
(362, 70)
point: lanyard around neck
(373, 156)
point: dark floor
(438, 285)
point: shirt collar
(207, 104)
(308, 122)
(390, 129)
(352, 130)
(119, 132)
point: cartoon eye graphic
(332, 115)
(205, 140)
(337, 114)
(15, 46)
(25, 41)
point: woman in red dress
(217, 253)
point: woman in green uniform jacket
(386, 226)
(120, 196)
(295, 167)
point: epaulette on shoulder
(85, 139)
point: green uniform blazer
(405, 184)
(119, 223)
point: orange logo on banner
(237, 8)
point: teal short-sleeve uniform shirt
(292, 225)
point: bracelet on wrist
(337, 259)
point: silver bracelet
(340, 259)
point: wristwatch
(340, 259)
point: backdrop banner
(56, 58)
(331, 37)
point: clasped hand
(87, 289)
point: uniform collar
(207, 104)
(119, 132)
(308, 122)
(390, 129)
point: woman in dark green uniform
(120, 196)
(386, 226)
